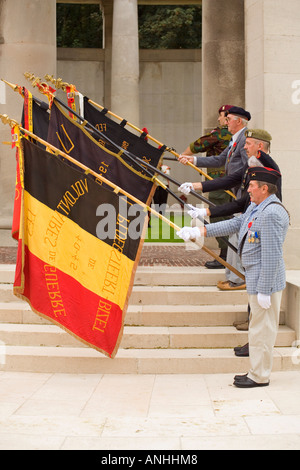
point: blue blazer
(259, 246)
(233, 158)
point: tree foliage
(160, 27)
(79, 25)
(170, 27)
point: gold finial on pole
(12, 85)
(58, 83)
(42, 86)
(6, 120)
(35, 81)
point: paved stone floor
(152, 255)
(148, 412)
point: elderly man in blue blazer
(261, 233)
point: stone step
(144, 315)
(173, 276)
(177, 322)
(150, 276)
(134, 361)
(186, 295)
(186, 315)
(170, 295)
(7, 273)
(139, 337)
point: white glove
(189, 233)
(264, 301)
(185, 188)
(194, 212)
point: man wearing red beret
(214, 143)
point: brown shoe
(228, 285)
(243, 326)
(221, 283)
(238, 322)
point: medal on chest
(252, 236)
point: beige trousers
(263, 329)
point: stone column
(273, 96)
(27, 43)
(223, 72)
(125, 61)
(107, 14)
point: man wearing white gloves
(261, 234)
(234, 157)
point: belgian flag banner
(76, 258)
(85, 146)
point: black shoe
(237, 378)
(214, 265)
(243, 351)
(245, 382)
(238, 348)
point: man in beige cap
(257, 147)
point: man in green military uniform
(214, 143)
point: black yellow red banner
(64, 270)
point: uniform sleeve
(212, 162)
(204, 143)
(230, 208)
(224, 182)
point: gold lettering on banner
(53, 229)
(102, 316)
(70, 198)
(112, 273)
(91, 263)
(54, 291)
(101, 127)
(69, 139)
(125, 145)
(30, 221)
(147, 160)
(55, 225)
(75, 258)
(113, 269)
(102, 170)
(102, 142)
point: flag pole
(6, 120)
(160, 143)
(44, 89)
(63, 85)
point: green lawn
(160, 231)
